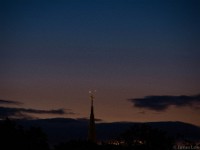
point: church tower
(92, 130)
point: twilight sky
(142, 57)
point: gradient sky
(53, 52)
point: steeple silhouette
(92, 130)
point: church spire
(92, 132)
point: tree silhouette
(76, 145)
(13, 136)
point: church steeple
(92, 130)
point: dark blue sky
(124, 49)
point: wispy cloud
(10, 102)
(19, 113)
(24, 113)
(160, 103)
(87, 119)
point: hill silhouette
(65, 129)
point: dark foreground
(138, 137)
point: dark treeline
(138, 137)
(13, 136)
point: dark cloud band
(160, 103)
(10, 102)
(24, 113)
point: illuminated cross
(92, 96)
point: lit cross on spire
(92, 95)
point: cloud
(142, 112)
(87, 119)
(160, 103)
(24, 113)
(10, 102)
